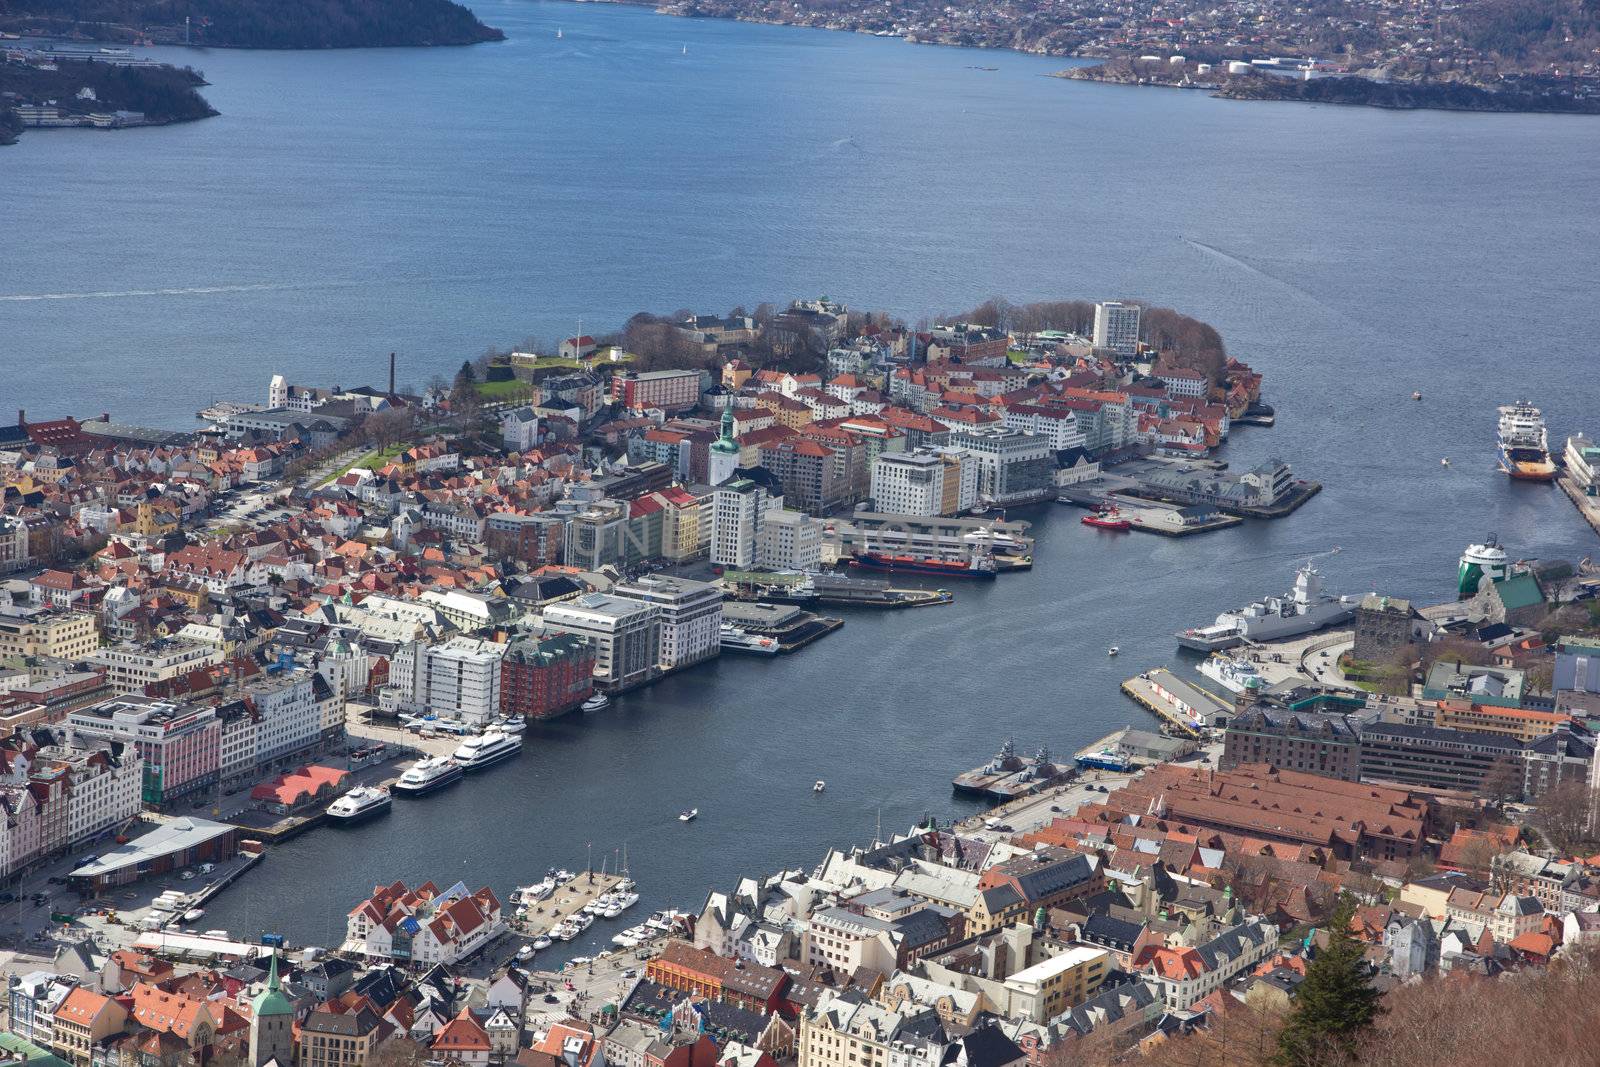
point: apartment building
(541, 677)
(32, 631)
(463, 677)
(178, 743)
(130, 668)
(1116, 327)
(789, 541)
(908, 483)
(1058, 983)
(1182, 976)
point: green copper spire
(726, 443)
(271, 1001)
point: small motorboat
(1107, 517)
(541, 942)
(1416, 396)
(1113, 650)
(686, 816)
(512, 724)
(598, 702)
(525, 952)
(1445, 462)
(194, 915)
(820, 786)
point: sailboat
(685, 49)
(558, 35)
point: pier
(1150, 516)
(1186, 708)
(1588, 506)
(540, 917)
(786, 624)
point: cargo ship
(974, 567)
(1525, 444)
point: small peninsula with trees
(90, 93)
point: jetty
(790, 626)
(1009, 776)
(1186, 708)
(540, 917)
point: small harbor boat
(1416, 396)
(512, 724)
(558, 35)
(819, 786)
(541, 942)
(1113, 650)
(525, 952)
(598, 702)
(689, 815)
(1107, 517)
(361, 803)
(1445, 462)
(194, 915)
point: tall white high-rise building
(908, 483)
(736, 514)
(690, 614)
(790, 541)
(463, 680)
(1116, 327)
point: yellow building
(30, 631)
(1050, 987)
(85, 1019)
(1520, 723)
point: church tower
(272, 1023)
(724, 452)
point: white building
(908, 483)
(737, 510)
(626, 635)
(129, 668)
(690, 613)
(519, 429)
(1058, 425)
(289, 713)
(463, 680)
(1116, 327)
(790, 541)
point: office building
(1116, 327)
(626, 635)
(690, 616)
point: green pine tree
(1335, 1004)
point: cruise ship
(486, 749)
(1234, 674)
(1303, 610)
(427, 775)
(1524, 443)
(359, 804)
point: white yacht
(541, 942)
(427, 775)
(819, 786)
(486, 750)
(362, 802)
(512, 724)
(689, 816)
(1234, 673)
(1305, 609)
(598, 702)
(736, 640)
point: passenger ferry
(1525, 444)
(486, 750)
(359, 804)
(427, 775)
(737, 640)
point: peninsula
(234, 24)
(65, 93)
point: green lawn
(1017, 356)
(511, 390)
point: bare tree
(1564, 814)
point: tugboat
(1107, 517)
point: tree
(1563, 814)
(1335, 1005)
(1541, 676)
(1504, 781)
(398, 1052)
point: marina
(566, 902)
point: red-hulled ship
(976, 567)
(1107, 518)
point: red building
(546, 676)
(669, 390)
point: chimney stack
(391, 374)
(22, 418)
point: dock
(1009, 776)
(545, 915)
(1588, 506)
(1150, 516)
(1186, 708)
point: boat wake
(190, 290)
(1245, 265)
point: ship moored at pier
(1302, 610)
(1009, 775)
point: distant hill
(253, 23)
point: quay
(1125, 749)
(1186, 708)
(1588, 506)
(1009, 776)
(542, 916)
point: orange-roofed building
(82, 1021)
(464, 1041)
